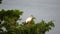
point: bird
(29, 19)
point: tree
(10, 18)
(0, 1)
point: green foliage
(0, 1)
(10, 14)
(10, 18)
(38, 28)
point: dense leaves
(9, 18)
(10, 14)
(38, 28)
(0, 1)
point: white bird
(28, 20)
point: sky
(41, 9)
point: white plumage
(28, 20)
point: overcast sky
(41, 9)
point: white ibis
(28, 20)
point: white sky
(41, 9)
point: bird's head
(32, 17)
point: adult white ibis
(28, 20)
